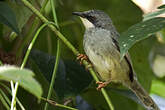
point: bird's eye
(91, 18)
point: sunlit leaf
(139, 32)
(23, 76)
(158, 87)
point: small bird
(102, 49)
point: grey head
(97, 17)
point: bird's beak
(81, 14)
(83, 17)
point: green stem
(23, 64)
(67, 107)
(57, 104)
(69, 45)
(54, 12)
(31, 45)
(57, 56)
(54, 74)
(29, 35)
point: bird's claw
(82, 57)
(101, 85)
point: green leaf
(139, 32)
(154, 14)
(8, 17)
(71, 77)
(158, 87)
(23, 76)
(45, 86)
(23, 14)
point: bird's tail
(143, 96)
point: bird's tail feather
(143, 96)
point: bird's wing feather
(127, 58)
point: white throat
(86, 23)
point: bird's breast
(104, 56)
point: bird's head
(94, 18)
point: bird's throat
(87, 23)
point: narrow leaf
(23, 76)
(139, 32)
(5, 97)
(4, 102)
(7, 17)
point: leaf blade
(139, 32)
(23, 76)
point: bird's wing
(127, 58)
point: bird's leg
(82, 57)
(102, 84)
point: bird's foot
(101, 85)
(82, 57)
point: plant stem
(67, 107)
(57, 56)
(31, 45)
(69, 45)
(57, 104)
(14, 89)
(33, 28)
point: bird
(101, 48)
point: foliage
(72, 83)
